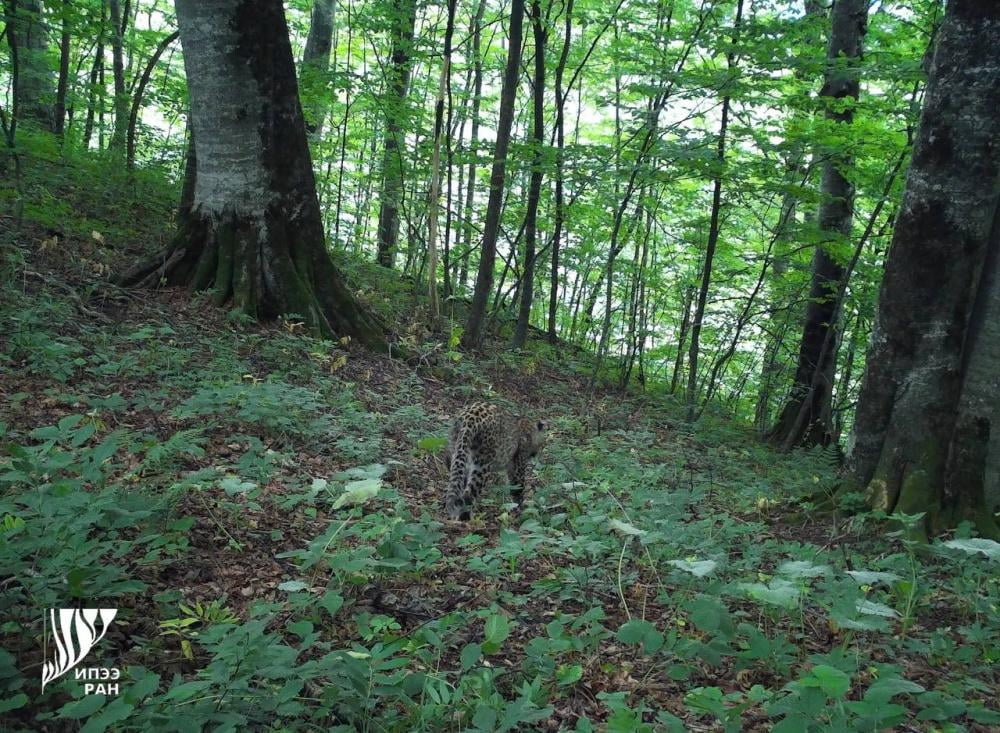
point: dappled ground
(264, 510)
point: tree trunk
(254, 233)
(140, 90)
(435, 194)
(477, 93)
(315, 64)
(682, 338)
(118, 23)
(535, 186)
(35, 91)
(560, 213)
(713, 233)
(96, 72)
(404, 19)
(62, 85)
(927, 419)
(797, 173)
(343, 134)
(806, 417)
(472, 335)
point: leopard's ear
(540, 426)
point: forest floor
(264, 509)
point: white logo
(74, 634)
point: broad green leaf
(802, 569)
(470, 655)
(976, 545)
(698, 568)
(778, 592)
(832, 681)
(497, 629)
(625, 528)
(873, 608)
(871, 577)
(884, 689)
(358, 492)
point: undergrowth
(263, 509)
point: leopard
(484, 439)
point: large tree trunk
(806, 417)
(491, 228)
(254, 233)
(35, 90)
(315, 63)
(404, 18)
(535, 187)
(929, 409)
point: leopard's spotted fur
(484, 439)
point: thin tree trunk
(62, 85)
(140, 90)
(118, 23)
(435, 194)
(805, 418)
(472, 335)
(535, 186)
(315, 66)
(404, 19)
(477, 94)
(96, 73)
(35, 91)
(343, 134)
(560, 155)
(713, 231)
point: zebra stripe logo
(74, 633)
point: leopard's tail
(457, 498)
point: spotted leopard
(484, 439)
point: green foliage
(261, 506)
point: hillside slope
(264, 511)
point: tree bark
(96, 73)
(472, 335)
(62, 85)
(477, 93)
(140, 90)
(118, 23)
(926, 424)
(560, 213)
(315, 64)
(535, 186)
(806, 417)
(435, 193)
(35, 91)
(797, 172)
(403, 21)
(254, 233)
(713, 232)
